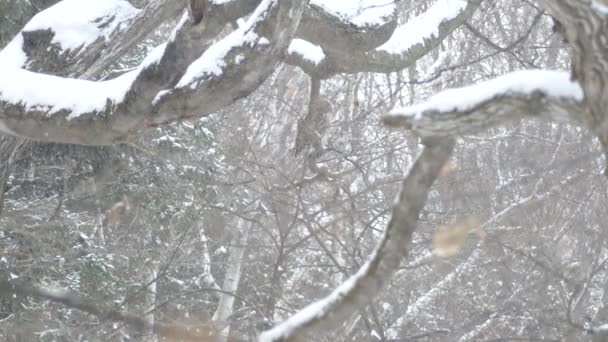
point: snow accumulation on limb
(389, 48)
(360, 13)
(341, 27)
(49, 108)
(421, 34)
(423, 27)
(52, 94)
(543, 93)
(213, 61)
(360, 288)
(236, 65)
(148, 19)
(299, 48)
(89, 21)
(23, 91)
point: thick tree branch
(114, 109)
(101, 113)
(583, 25)
(534, 93)
(400, 49)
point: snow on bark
(539, 93)
(359, 12)
(309, 51)
(423, 27)
(213, 61)
(526, 82)
(52, 94)
(88, 22)
(43, 107)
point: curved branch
(341, 31)
(234, 67)
(537, 93)
(360, 288)
(404, 46)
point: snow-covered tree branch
(107, 112)
(188, 76)
(550, 95)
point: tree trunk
(225, 307)
(584, 26)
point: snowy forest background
(220, 223)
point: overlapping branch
(101, 113)
(360, 288)
(390, 48)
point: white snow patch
(180, 24)
(53, 94)
(422, 27)
(12, 56)
(552, 83)
(212, 61)
(309, 51)
(160, 95)
(47, 92)
(153, 57)
(77, 23)
(359, 12)
(54, 292)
